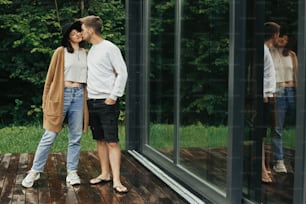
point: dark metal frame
(134, 60)
(237, 64)
(300, 149)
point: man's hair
(271, 28)
(94, 22)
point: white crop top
(75, 66)
(283, 66)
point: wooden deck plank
(144, 187)
(9, 179)
(69, 192)
(56, 186)
(31, 194)
(87, 169)
(5, 160)
(18, 193)
(147, 185)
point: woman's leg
(42, 151)
(75, 124)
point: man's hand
(109, 101)
(265, 99)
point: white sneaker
(73, 178)
(29, 180)
(279, 167)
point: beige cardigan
(53, 95)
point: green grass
(21, 139)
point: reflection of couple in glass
(280, 69)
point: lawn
(21, 139)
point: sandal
(99, 179)
(120, 189)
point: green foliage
(204, 61)
(30, 31)
(3, 2)
(205, 48)
(113, 15)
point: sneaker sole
(73, 183)
(29, 186)
(280, 171)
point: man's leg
(115, 160)
(104, 160)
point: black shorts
(103, 120)
(269, 115)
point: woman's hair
(288, 46)
(66, 32)
(94, 22)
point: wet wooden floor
(211, 165)
(144, 187)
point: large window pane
(161, 76)
(281, 189)
(204, 89)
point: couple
(279, 88)
(77, 80)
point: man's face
(85, 33)
(275, 38)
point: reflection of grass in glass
(288, 137)
(21, 139)
(161, 136)
(203, 136)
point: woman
(286, 66)
(64, 96)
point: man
(272, 31)
(107, 76)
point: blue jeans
(73, 109)
(285, 102)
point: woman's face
(282, 41)
(75, 36)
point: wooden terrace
(144, 187)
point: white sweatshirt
(107, 71)
(269, 81)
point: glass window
(204, 89)
(269, 172)
(161, 76)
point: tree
(31, 30)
